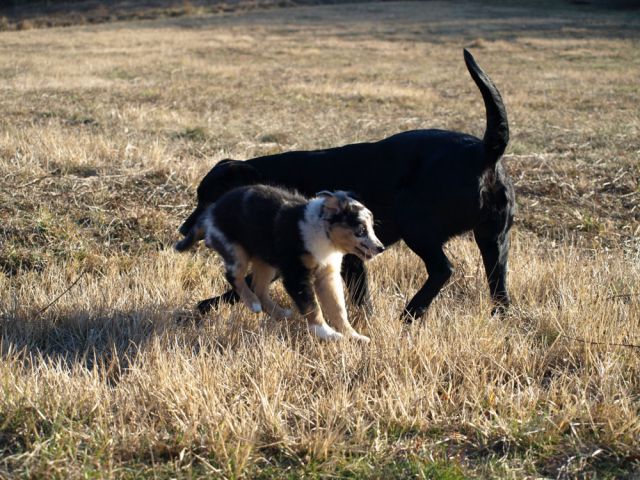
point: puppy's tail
(189, 241)
(191, 221)
(193, 236)
(496, 135)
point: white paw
(256, 307)
(360, 338)
(325, 332)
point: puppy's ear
(324, 193)
(332, 205)
(353, 195)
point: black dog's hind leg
(354, 274)
(205, 306)
(439, 270)
(230, 297)
(494, 249)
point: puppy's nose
(380, 249)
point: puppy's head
(349, 225)
(224, 176)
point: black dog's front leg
(439, 270)
(354, 274)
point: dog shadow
(111, 343)
(107, 343)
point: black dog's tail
(496, 135)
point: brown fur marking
(263, 274)
(239, 271)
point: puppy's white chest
(315, 238)
(322, 249)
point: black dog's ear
(241, 173)
(225, 176)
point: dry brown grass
(107, 129)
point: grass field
(105, 132)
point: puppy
(275, 230)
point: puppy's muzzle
(367, 252)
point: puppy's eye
(361, 231)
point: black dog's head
(224, 176)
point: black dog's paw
(500, 310)
(409, 315)
(187, 318)
(501, 303)
(205, 306)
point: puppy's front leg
(328, 284)
(298, 285)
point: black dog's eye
(361, 231)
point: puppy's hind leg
(262, 276)
(235, 272)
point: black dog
(423, 186)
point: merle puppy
(423, 186)
(274, 230)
